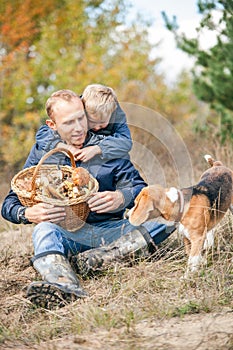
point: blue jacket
(116, 174)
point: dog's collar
(181, 206)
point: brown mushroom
(80, 177)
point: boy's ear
(51, 124)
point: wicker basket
(76, 209)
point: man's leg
(131, 242)
(60, 283)
(158, 232)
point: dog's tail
(211, 161)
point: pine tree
(213, 68)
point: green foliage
(58, 44)
(213, 70)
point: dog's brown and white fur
(196, 210)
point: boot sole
(48, 296)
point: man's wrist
(21, 215)
(122, 198)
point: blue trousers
(48, 237)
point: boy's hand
(70, 148)
(87, 153)
(83, 154)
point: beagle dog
(196, 210)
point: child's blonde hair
(99, 100)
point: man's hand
(107, 201)
(45, 212)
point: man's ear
(51, 124)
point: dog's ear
(143, 206)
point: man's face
(70, 121)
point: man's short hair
(66, 95)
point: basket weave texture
(76, 209)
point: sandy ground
(202, 332)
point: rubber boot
(60, 284)
(133, 245)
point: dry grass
(147, 305)
(120, 299)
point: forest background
(46, 46)
(54, 44)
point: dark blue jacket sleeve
(129, 182)
(10, 207)
(119, 143)
(11, 203)
(46, 138)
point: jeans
(48, 237)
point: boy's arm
(47, 139)
(108, 146)
(119, 143)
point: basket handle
(47, 155)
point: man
(105, 237)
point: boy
(110, 134)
